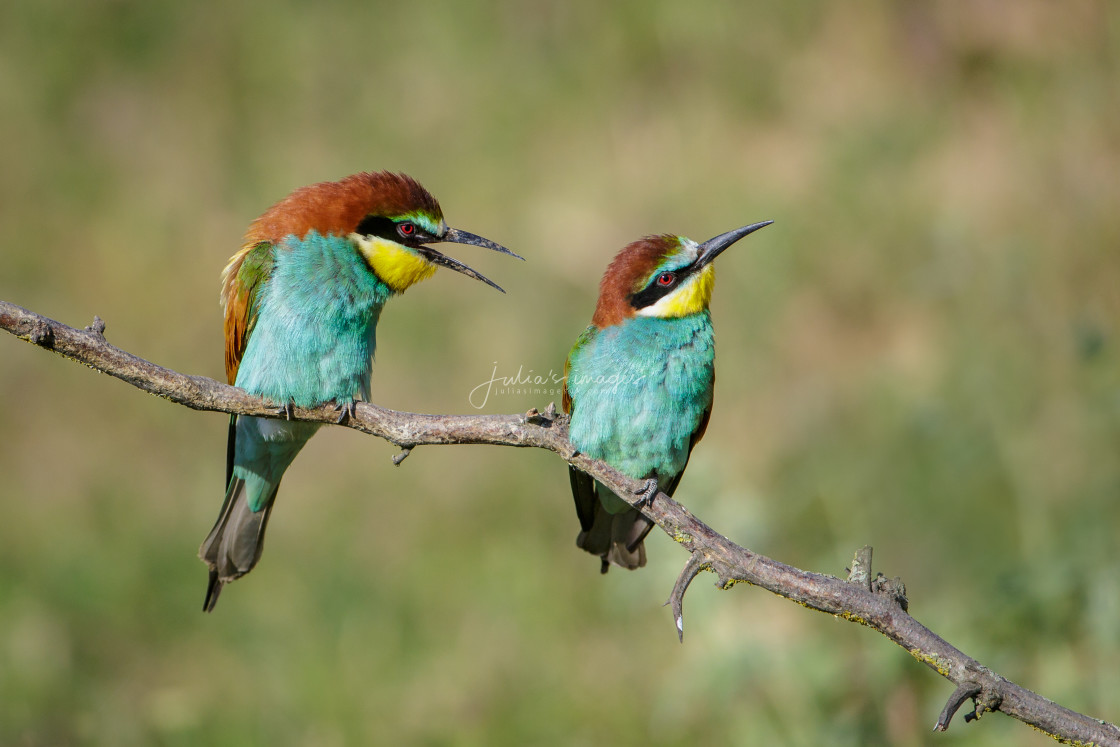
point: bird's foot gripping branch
(876, 602)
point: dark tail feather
(231, 449)
(235, 543)
(586, 496)
(638, 532)
(617, 538)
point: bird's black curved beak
(464, 237)
(711, 248)
(441, 259)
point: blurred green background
(921, 355)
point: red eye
(406, 229)
(666, 279)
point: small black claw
(648, 492)
(288, 410)
(345, 410)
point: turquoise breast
(640, 389)
(313, 338)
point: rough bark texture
(878, 603)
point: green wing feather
(242, 279)
(241, 282)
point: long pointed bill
(711, 248)
(441, 259)
(464, 237)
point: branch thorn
(398, 458)
(536, 417)
(97, 327)
(892, 587)
(964, 691)
(40, 333)
(692, 568)
(860, 572)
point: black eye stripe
(377, 225)
(387, 228)
(654, 291)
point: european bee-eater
(302, 298)
(640, 381)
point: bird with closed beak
(640, 382)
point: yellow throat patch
(397, 267)
(691, 298)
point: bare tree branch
(877, 603)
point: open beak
(463, 237)
(712, 248)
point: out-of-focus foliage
(922, 354)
